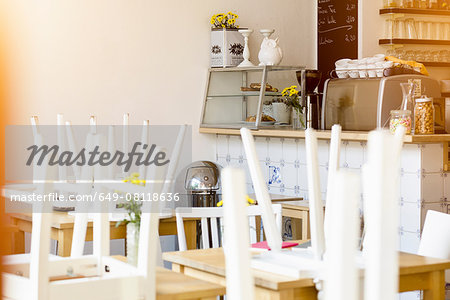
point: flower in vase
(292, 98)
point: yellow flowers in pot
(227, 20)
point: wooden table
(298, 210)
(62, 231)
(416, 273)
(173, 286)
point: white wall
(149, 58)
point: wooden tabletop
(62, 220)
(213, 261)
(278, 198)
(286, 132)
(172, 285)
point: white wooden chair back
(240, 283)
(333, 167)
(434, 241)
(211, 220)
(125, 133)
(273, 233)
(144, 141)
(315, 199)
(381, 178)
(111, 279)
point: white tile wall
(410, 217)
(409, 241)
(290, 151)
(432, 187)
(410, 187)
(423, 184)
(432, 158)
(411, 158)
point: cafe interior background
(151, 58)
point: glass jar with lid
(390, 3)
(400, 118)
(424, 116)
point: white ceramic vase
(281, 113)
(132, 243)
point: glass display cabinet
(235, 97)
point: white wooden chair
(214, 216)
(333, 168)
(381, 181)
(273, 232)
(96, 276)
(435, 242)
(239, 279)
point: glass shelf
(436, 64)
(247, 94)
(414, 11)
(389, 42)
(226, 105)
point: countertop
(326, 134)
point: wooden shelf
(446, 95)
(436, 64)
(414, 11)
(326, 135)
(412, 42)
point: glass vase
(298, 120)
(132, 243)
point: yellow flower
(219, 19)
(231, 21)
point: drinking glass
(433, 4)
(427, 57)
(446, 35)
(438, 30)
(420, 56)
(400, 29)
(435, 56)
(410, 55)
(389, 29)
(421, 30)
(429, 30)
(411, 29)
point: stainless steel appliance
(309, 80)
(365, 104)
(202, 181)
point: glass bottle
(433, 4)
(400, 118)
(424, 116)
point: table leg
(305, 226)
(18, 240)
(190, 230)
(177, 268)
(65, 242)
(436, 284)
(297, 229)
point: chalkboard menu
(337, 33)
